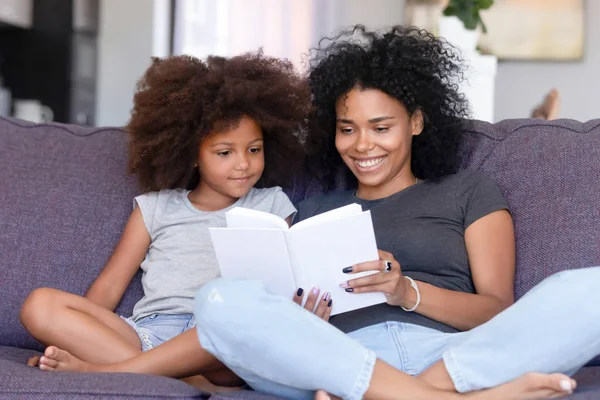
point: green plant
(468, 12)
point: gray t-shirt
(181, 257)
(423, 226)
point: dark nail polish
(299, 292)
(349, 290)
(347, 270)
(329, 304)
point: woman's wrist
(410, 295)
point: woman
(386, 108)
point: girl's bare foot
(321, 395)
(34, 361)
(55, 359)
(529, 387)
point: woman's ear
(417, 122)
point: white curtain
(283, 28)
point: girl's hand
(323, 304)
(389, 280)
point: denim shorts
(155, 329)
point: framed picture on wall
(518, 29)
(534, 30)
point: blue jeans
(282, 349)
(156, 329)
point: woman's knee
(38, 307)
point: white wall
(130, 33)
(333, 15)
(521, 85)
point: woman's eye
(224, 153)
(346, 130)
(381, 129)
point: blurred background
(77, 61)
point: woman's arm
(107, 290)
(490, 243)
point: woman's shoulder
(465, 176)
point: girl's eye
(381, 129)
(346, 130)
(224, 153)
(255, 150)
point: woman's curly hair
(409, 64)
(181, 100)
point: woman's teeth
(369, 163)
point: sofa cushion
(17, 379)
(548, 172)
(64, 198)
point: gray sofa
(65, 196)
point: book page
(255, 254)
(321, 251)
(240, 217)
(338, 213)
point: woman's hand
(388, 281)
(320, 306)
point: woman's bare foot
(200, 382)
(549, 108)
(55, 359)
(529, 387)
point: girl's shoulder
(162, 196)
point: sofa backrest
(64, 198)
(549, 172)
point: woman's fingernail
(329, 304)
(349, 290)
(299, 292)
(316, 290)
(347, 270)
(566, 385)
(326, 297)
(344, 284)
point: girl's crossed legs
(83, 336)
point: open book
(260, 246)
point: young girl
(202, 133)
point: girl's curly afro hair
(409, 64)
(181, 100)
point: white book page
(322, 251)
(240, 217)
(335, 214)
(255, 254)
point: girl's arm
(490, 243)
(107, 290)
